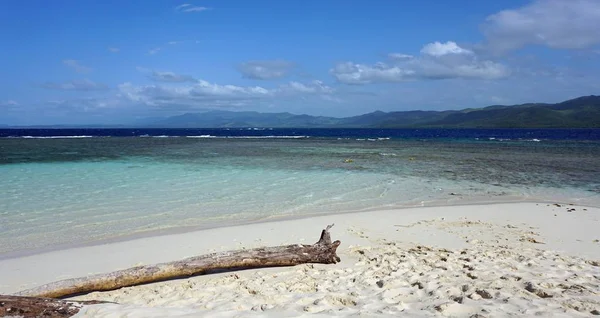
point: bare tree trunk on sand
(19, 306)
(323, 252)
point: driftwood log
(19, 306)
(324, 252)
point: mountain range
(581, 112)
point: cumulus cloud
(265, 70)
(188, 8)
(399, 56)
(437, 61)
(440, 49)
(114, 50)
(314, 87)
(558, 24)
(170, 77)
(75, 85)
(85, 104)
(206, 94)
(199, 93)
(77, 66)
(351, 73)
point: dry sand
(494, 260)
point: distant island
(582, 112)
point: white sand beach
(495, 260)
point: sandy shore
(465, 261)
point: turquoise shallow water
(57, 192)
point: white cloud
(201, 93)
(314, 87)
(75, 65)
(75, 85)
(114, 50)
(9, 103)
(438, 61)
(399, 56)
(154, 51)
(187, 8)
(559, 24)
(265, 70)
(209, 95)
(351, 73)
(173, 42)
(170, 77)
(440, 49)
(84, 104)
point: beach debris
(530, 240)
(323, 252)
(19, 306)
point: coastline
(503, 228)
(457, 201)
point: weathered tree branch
(324, 252)
(19, 306)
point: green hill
(582, 112)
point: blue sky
(88, 62)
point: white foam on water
(249, 137)
(55, 137)
(202, 136)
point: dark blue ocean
(512, 134)
(61, 186)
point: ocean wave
(267, 137)
(53, 137)
(176, 136)
(508, 139)
(373, 139)
(201, 136)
